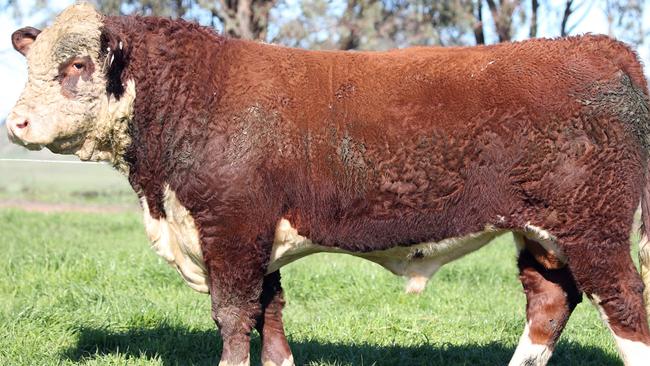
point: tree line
(384, 24)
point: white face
(65, 94)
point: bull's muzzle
(16, 128)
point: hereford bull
(248, 156)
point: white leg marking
(528, 353)
(287, 362)
(245, 363)
(416, 284)
(633, 353)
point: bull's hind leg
(605, 272)
(551, 296)
(275, 348)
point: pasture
(52, 182)
(79, 288)
(58, 183)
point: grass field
(70, 183)
(53, 182)
(87, 289)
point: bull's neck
(176, 73)
(110, 138)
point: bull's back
(423, 87)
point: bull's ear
(23, 38)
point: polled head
(66, 103)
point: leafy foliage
(378, 24)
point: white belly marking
(417, 262)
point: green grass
(70, 183)
(87, 289)
(54, 182)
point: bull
(248, 156)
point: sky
(13, 69)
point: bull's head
(66, 105)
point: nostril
(22, 125)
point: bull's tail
(644, 245)
(627, 61)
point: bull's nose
(16, 126)
(16, 122)
(22, 124)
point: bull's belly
(418, 261)
(176, 239)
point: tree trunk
(350, 41)
(533, 19)
(477, 27)
(246, 19)
(568, 9)
(502, 16)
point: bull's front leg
(236, 263)
(275, 348)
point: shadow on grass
(183, 346)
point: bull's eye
(71, 71)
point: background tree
(379, 24)
(624, 20)
(238, 18)
(382, 24)
(502, 14)
(175, 8)
(247, 19)
(534, 7)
